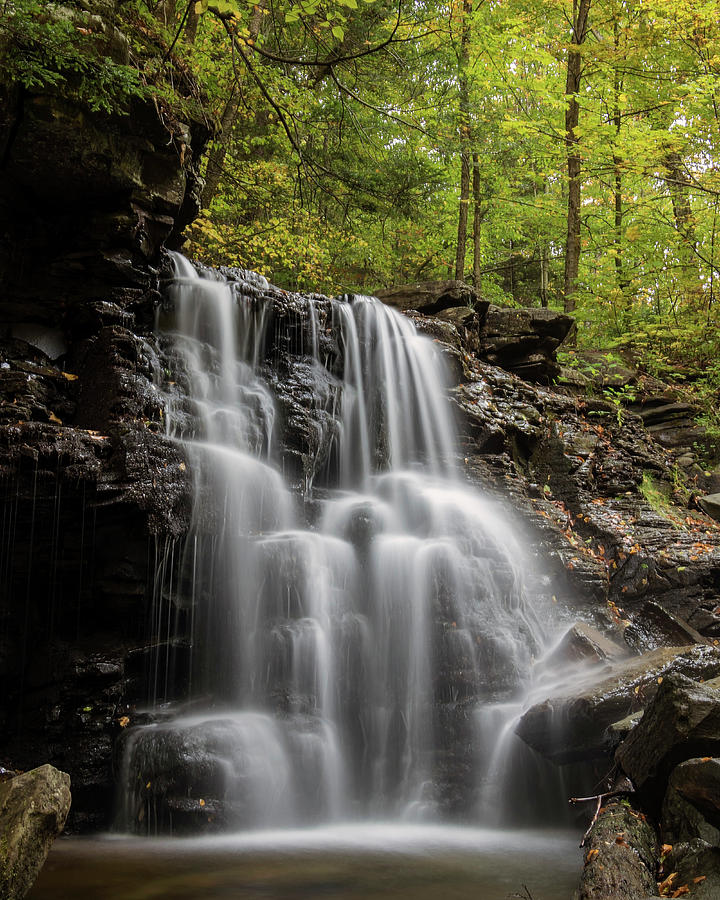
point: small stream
(345, 862)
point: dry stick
(599, 798)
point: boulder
(682, 722)
(605, 370)
(467, 321)
(653, 626)
(524, 341)
(572, 724)
(695, 866)
(671, 422)
(620, 855)
(430, 297)
(691, 808)
(582, 643)
(711, 505)
(33, 809)
(618, 731)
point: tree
(580, 27)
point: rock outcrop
(33, 809)
(523, 341)
(682, 722)
(520, 340)
(573, 725)
(430, 297)
(93, 489)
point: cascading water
(344, 646)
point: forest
(360, 448)
(554, 153)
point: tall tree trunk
(218, 151)
(544, 275)
(167, 11)
(618, 165)
(581, 10)
(464, 61)
(679, 189)
(477, 221)
(191, 23)
(463, 215)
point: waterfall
(344, 638)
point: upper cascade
(341, 648)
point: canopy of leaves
(343, 122)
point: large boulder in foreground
(572, 725)
(33, 809)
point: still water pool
(382, 862)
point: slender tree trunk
(544, 276)
(463, 215)
(618, 165)
(679, 190)
(513, 282)
(218, 151)
(464, 142)
(191, 24)
(477, 222)
(167, 11)
(581, 10)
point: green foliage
(45, 46)
(658, 497)
(343, 123)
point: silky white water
(350, 643)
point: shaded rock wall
(87, 478)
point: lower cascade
(345, 639)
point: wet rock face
(90, 487)
(654, 627)
(682, 722)
(573, 726)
